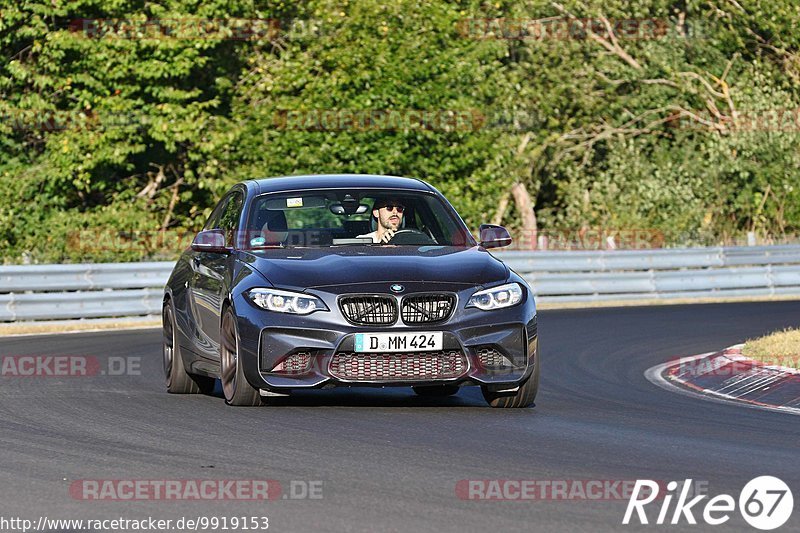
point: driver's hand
(387, 236)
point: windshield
(353, 218)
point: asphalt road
(390, 461)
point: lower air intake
(491, 358)
(351, 366)
(298, 363)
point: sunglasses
(390, 207)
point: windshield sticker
(258, 241)
(294, 202)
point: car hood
(302, 268)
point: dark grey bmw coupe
(310, 282)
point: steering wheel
(412, 237)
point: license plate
(399, 342)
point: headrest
(273, 226)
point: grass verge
(780, 348)
(73, 326)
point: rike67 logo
(765, 503)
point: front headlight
(496, 297)
(286, 301)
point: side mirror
(494, 236)
(212, 240)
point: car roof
(336, 181)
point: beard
(390, 223)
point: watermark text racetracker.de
(196, 28)
(563, 28)
(552, 489)
(23, 366)
(723, 366)
(141, 241)
(121, 490)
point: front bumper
(267, 338)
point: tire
(436, 391)
(179, 381)
(524, 396)
(235, 386)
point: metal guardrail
(688, 273)
(47, 292)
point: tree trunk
(497, 219)
(527, 240)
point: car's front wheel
(177, 379)
(522, 397)
(234, 384)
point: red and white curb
(729, 377)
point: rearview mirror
(340, 208)
(493, 236)
(212, 240)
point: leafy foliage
(682, 119)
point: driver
(389, 215)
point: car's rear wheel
(522, 397)
(437, 391)
(235, 386)
(177, 379)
